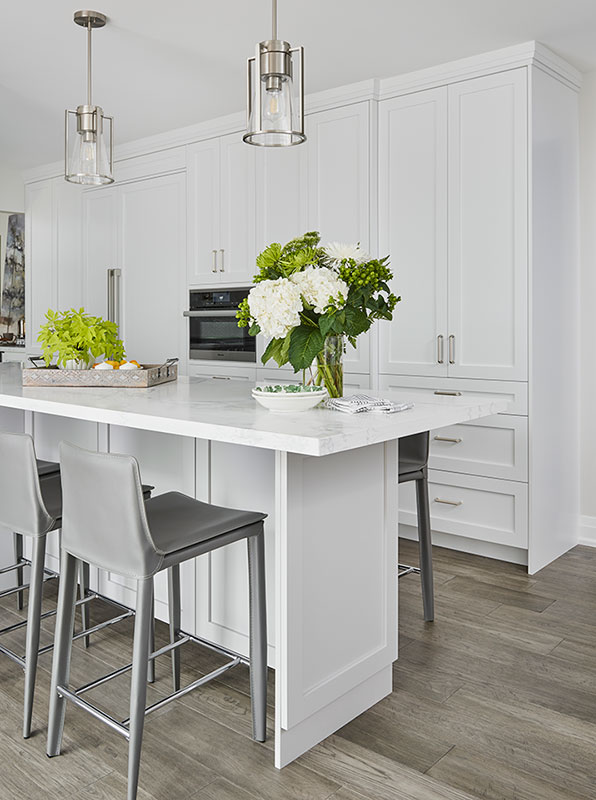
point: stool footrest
(94, 711)
(22, 562)
(406, 569)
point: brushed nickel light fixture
(275, 83)
(88, 157)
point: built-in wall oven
(213, 328)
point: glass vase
(330, 368)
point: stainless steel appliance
(213, 328)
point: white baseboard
(587, 531)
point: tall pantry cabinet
(478, 186)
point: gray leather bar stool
(413, 466)
(31, 505)
(138, 540)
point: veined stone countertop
(225, 411)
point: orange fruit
(135, 362)
(115, 364)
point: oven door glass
(220, 338)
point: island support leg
(336, 591)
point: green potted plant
(77, 338)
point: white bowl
(289, 402)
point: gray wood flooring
(496, 699)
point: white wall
(588, 302)
(12, 189)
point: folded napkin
(364, 402)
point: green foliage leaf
(356, 321)
(77, 336)
(273, 350)
(305, 343)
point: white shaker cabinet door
(339, 191)
(152, 256)
(67, 224)
(237, 246)
(203, 191)
(100, 247)
(281, 194)
(488, 227)
(413, 231)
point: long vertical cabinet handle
(214, 261)
(221, 263)
(452, 349)
(114, 295)
(440, 354)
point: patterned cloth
(364, 402)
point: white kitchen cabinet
(281, 194)
(338, 152)
(413, 229)
(488, 227)
(152, 256)
(221, 211)
(223, 372)
(52, 251)
(453, 214)
(139, 228)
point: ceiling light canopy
(275, 103)
(88, 147)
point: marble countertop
(225, 411)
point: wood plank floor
(496, 699)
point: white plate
(289, 402)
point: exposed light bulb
(275, 106)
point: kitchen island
(329, 484)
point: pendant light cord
(89, 62)
(274, 19)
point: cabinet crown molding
(375, 89)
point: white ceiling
(166, 64)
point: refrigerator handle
(114, 295)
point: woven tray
(148, 375)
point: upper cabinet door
(339, 158)
(203, 191)
(281, 194)
(413, 231)
(152, 257)
(488, 227)
(100, 247)
(237, 247)
(67, 209)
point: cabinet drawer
(220, 372)
(514, 391)
(495, 447)
(487, 509)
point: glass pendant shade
(275, 96)
(89, 147)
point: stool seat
(177, 521)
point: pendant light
(88, 157)
(275, 103)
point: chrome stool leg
(150, 661)
(425, 549)
(17, 542)
(258, 634)
(138, 688)
(175, 620)
(62, 651)
(33, 629)
(83, 591)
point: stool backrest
(103, 512)
(413, 450)
(21, 504)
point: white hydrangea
(276, 306)
(321, 286)
(338, 251)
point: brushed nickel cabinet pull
(214, 261)
(447, 439)
(440, 354)
(452, 349)
(447, 393)
(448, 502)
(221, 265)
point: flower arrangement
(307, 298)
(76, 336)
